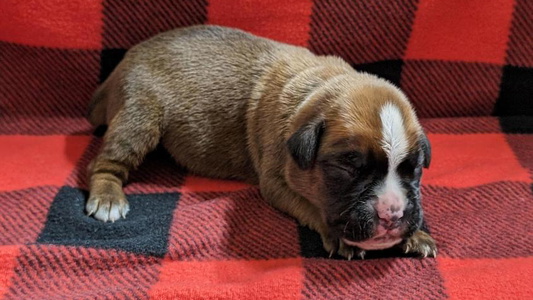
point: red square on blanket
(474, 30)
(52, 23)
(284, 21)
(487, 278)
(257, 279)
(29, 161)
(472, 159)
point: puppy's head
(357, 153)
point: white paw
(107, 207)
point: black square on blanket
(144, 231)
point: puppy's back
(179, 57)
(202, 79)
(195, 64)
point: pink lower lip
(375, 243)
(383, 238)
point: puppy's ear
(303, 144)
(426, 149)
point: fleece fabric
(467, 66)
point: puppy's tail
(98, 106)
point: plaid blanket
(466, 65)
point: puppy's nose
(390, 208)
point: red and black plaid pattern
(466, 65)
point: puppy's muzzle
(389, 224)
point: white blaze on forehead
(394, 139)
(394, 144)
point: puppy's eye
(353, 160)
(344, 168)
(344, 165)
(341, 170)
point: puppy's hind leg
(133, 132)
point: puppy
(340, 151)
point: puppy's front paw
(344, 250)
(108, 206)
(422, 244)
(350, 252)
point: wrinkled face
(369, 202)
(370, 185)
